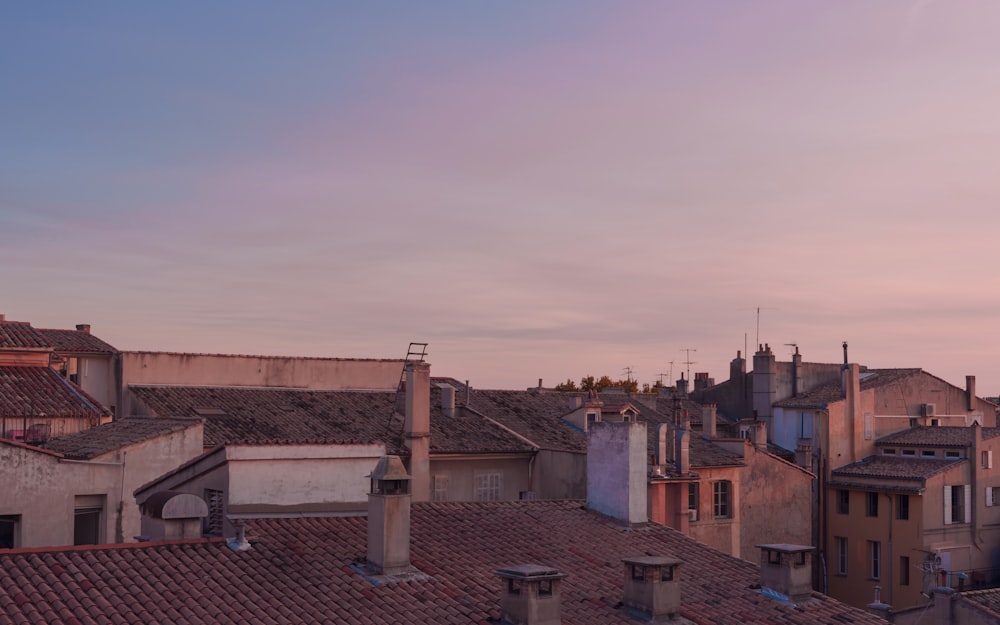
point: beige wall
(96, 375)
(461, 471)
(267, 371)
(42, 488)
(560, 475)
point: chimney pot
(530, 595)
(787, 570)
(652, 587)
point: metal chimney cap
(389, 468)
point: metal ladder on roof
(414, 353)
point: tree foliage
(590, 383)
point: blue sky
(537, 190)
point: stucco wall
(42, 490)
(461, 472)
(776, 503)
(267, 371)
(616, 470)
(560, 475)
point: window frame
(722, 499)
(902, 507)
(871, 504)
(488, 485)
(842, 554)
(875, 559)
(843, 501)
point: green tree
(587, 383)
(568, 385)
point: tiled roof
(935, 436)
(302, 571)
(76, 341)
(538, 416)
(241, 415)
(817, 397)
(874, 378)
(894, 467)
(20, 335)
(987, 599)
(102, 439)
(534, 415)
(36, 391)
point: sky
(536, 190)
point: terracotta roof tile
(76, 341)
(935, 436)
(20, 335)
(894, 467)
(105, 438)
(300, 571)
(35, 391)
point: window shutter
(947, 505)
(989, 459)
(989, 496)
(968, 504)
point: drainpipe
(120, 521)
(890, 561)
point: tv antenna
(628, 374)
(688, 361)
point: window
(903, 507)
(875, 559)
(871, 504)
(722, 499)
(992, 496)
(957, 504)
(692, 495)
(927, 453)
(592, 418)
(889, 451)
(88, 516)
(868, 426)
(440, 488)
(216, 504)
(841, 555)
(904, 571)
(9, 534)
(987, 458)
(909, 452)
(489, 486)
(843, 502)
(951, 454)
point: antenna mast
(688, 361)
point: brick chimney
(417, 428)
(652, 587)
(787, 570)
(530, 595)
(389, 517)
(83, 327)
(169, 515)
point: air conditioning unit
(930, 410)
(692, 514)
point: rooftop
(894, 468)
(40, 391)
(106, 438)
(936, 436)
(76, 342)
(303, 571)
(20, 335)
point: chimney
(616, 471)
(662, 451)
(539, 382)
(468, 393)
(878, 608)
(797, 373)
(530, 595)
(3, 317)
(709, 415)
(682, 446)
(758, 434)
(682, 386)
(970, 392)
(447, 400)
(845, 354)
(170, 515)
(765, 389)
(652, 588)
(787, 570)
(83, 327)
(389, 517)
(417, 429)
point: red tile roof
(76, 342)
(302, 571)
(935, 436)
(893, 468)
(105, 438)
(20, 335)
(38, 391)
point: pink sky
(537, 192)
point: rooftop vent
(787, 571)
(652, 587)
(530, 595)
(169, 515)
